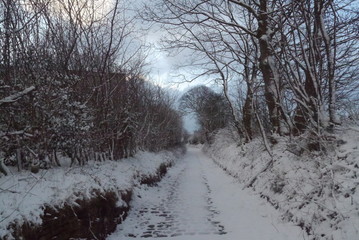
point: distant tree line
(210, 109)
(290, 66)
(71, 83)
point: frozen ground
(197, 200)
(23, 195)
(317, 190)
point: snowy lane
(197, 200)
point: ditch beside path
(198, 200)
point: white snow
(16, 96)
(23, 194)
(198, 200)
(317, 190)
(202, 197)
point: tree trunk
(266, 65)
(6, 45)
(3, 168)
(248, 112)
(330, 65)
(309, 112)
(19, 159)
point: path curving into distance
(198, 200)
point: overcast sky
(163, 71)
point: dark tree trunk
(267, 67)
(310, 111)
(6, 46)
(247, 112)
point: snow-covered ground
(198, 200)
(22, 195)
(316, 190)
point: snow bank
(317, 191)
(23, 195)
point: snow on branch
(16, 96)
(15, 133)
(246, 6)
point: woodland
(287, 67)
(72, 83)
(277, 106)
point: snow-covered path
(197, 200)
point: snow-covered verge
(318, 191)
(23, 196)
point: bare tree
(228, 16)
(210, 108)
(71, 82)
(293, 44)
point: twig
(23, 199)
(16, 96)
(7, 190)
(269, 163)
